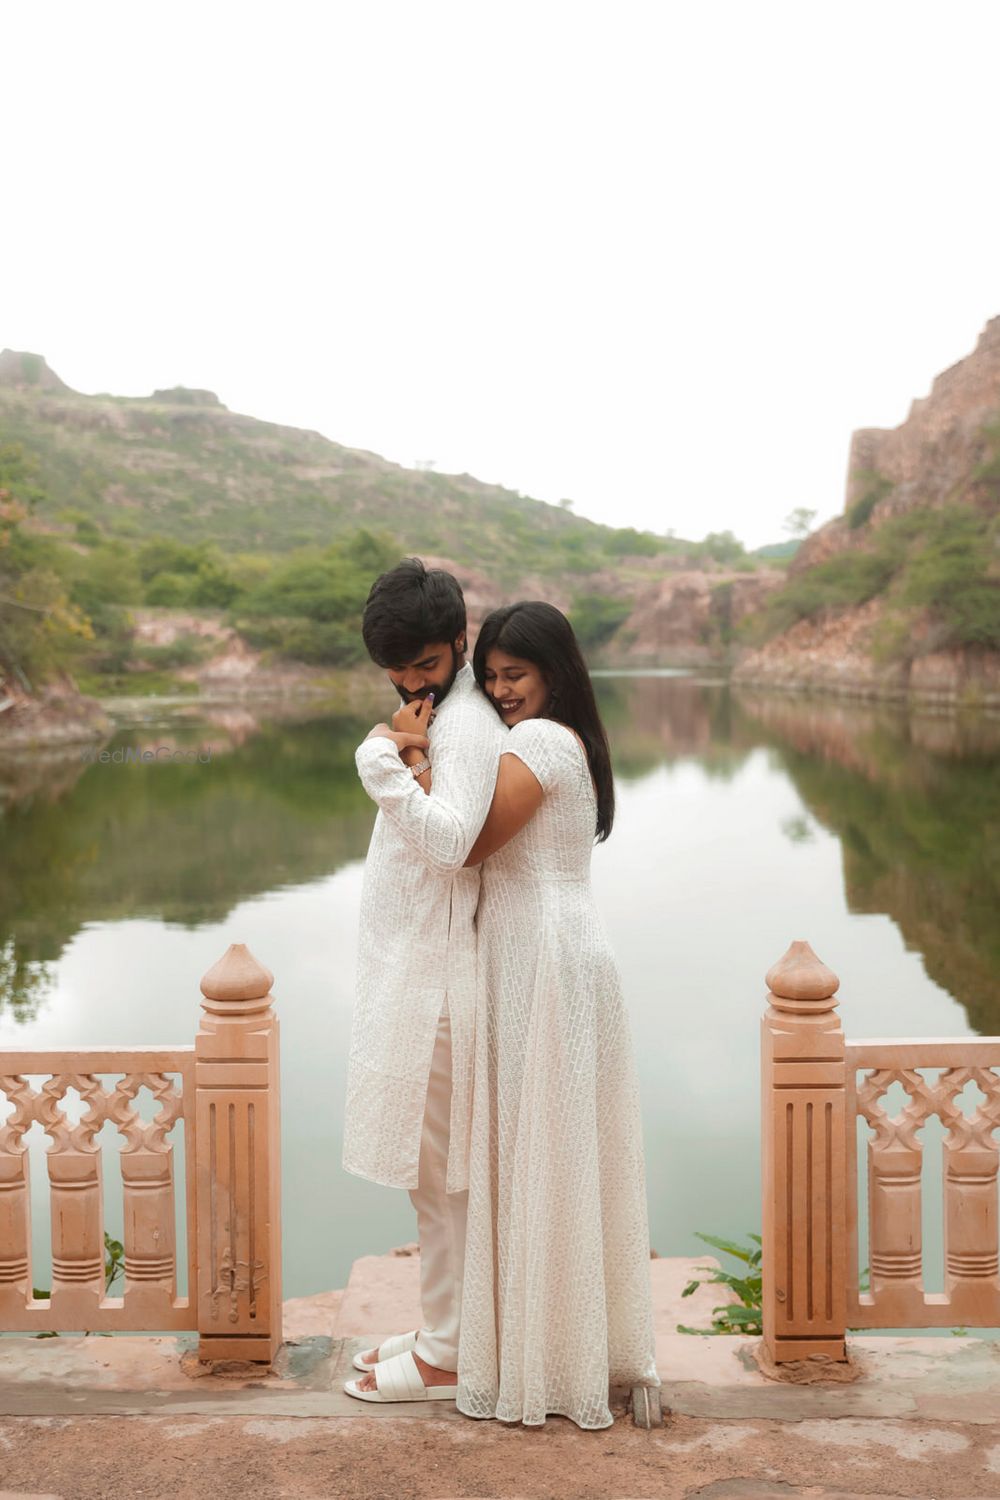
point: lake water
(744, 821)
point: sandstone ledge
(833, 655)
(57, 716)
(945, 678)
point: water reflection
(656, 720)
(915, 802)
(913, 798)
(278, 804)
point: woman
(556, 1302)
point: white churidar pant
(441, 1218)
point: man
(409, 1082)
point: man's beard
(440, 693)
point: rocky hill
(179, 464)
(901, 593)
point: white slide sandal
(398, 1379)
(399, 1343)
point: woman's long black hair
(540, 633)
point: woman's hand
(400, 738)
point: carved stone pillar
(76, 1202)
(238, 1162)
(147, 1167)
(15, 1201)
(804, 1231)
(970, 1196)
(895, 1159)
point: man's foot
(428, 1374)
(398, 1342)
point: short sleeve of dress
(545, 747)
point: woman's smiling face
(517, 687)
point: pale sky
(660, 259)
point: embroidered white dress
(557, 1302)
(417, 939)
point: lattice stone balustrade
(815, 1086)
(225, 1089)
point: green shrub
(88, 532)
(720, 546)
(163, 555)
(596, 617)
(107, 575)
(113, 645)
(318, 642)
(173, 590)
(988, 472)
(182, 573)
(955, 573)
(876, 488)
(214, 586)
(41, 630)
(183, 651)
(841, 582)
(744, 1315)
(720, 610)
(626, 541)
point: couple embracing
(491, 1070)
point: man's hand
(414, 718)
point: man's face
(433, 670)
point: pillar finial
(800, 975)
(237, 976)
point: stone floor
(95, 1416)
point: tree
(40, 629)
(799, 522)
(721, 546)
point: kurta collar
(465, 680)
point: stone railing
(815, 1086)
(225, 1089)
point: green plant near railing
(745, 1315)
(114, 1261)
(114, 1266)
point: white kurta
(417, 943)
(557, 1301)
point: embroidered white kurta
(417, 941)
(557, 1301)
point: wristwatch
(420, 767)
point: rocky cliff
(944, 458)
(28, 372)
(934, 456)
(689, 616)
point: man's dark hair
(408, 607)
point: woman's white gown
(556, 1299)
